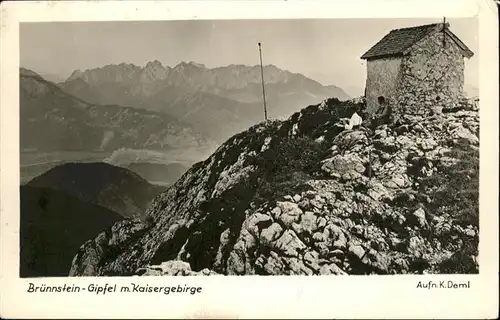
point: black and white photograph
(277, 147)
(249, 159)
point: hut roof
(398, 42)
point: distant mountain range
(51, 119)
(115, 188)
(219, 101)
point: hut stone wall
(432, 76)
(383, 77)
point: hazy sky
(326, 50)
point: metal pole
(444, 32)
(262, 76)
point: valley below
(33, 163)
(150, 164)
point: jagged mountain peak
(189, 65)
(125, 65)
(28, 72)
(154, 70)
(154, 64)
(270, 67)
(77, 74)
(273, 67)
(199, 65)
(108, 73)
(236, 66)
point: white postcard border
(252, 296)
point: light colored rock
(320, 237)
(316, 204)
(470, 232)
(149, 272)
(464, 133)
(320, 139)
(428, 144)
(340, 242)
(307, 224)
(405, 142)
(396, 182)
(416, 246)
(310, 194)
(321, 222)
(358, 230)
(357, 251)
(335, 236)
(274, 265)
(331, 269)
(297, 267)
(311, 259)
(236, 263)
(256, 222)
(271, 234)
(380, 133)
(290, 244)
(381, 261)
(265, 146)
(290, 213)
(232, 176)
(224, 240)
(173, 268)
(419, 214)
(349, 138)
(276, 212)
(377, 191)
(246, 240)
(344, 164)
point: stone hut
(416, 69)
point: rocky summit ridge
(305, 196)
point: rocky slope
(220, 101)
(53, 225)
(305, 196)
(118, 189)
(51, 119)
